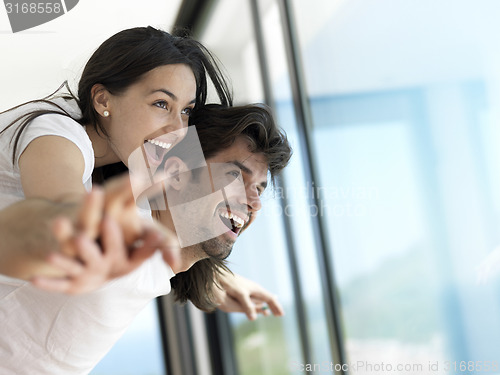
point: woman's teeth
(164, 145)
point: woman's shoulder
(57, 117)
(57, 124)
(42, 109)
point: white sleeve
(62, 126)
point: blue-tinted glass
(403, 98)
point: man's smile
(233, 220)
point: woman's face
(159, 103)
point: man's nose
(253, 198)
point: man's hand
(239, 294)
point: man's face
(221, 199)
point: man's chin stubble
(216, 248)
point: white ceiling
(35, 62)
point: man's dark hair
(218, 128)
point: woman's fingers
(168, 243)
(90, 215)
(69, 265)
(61, 285)
(63, 231)
(120, 205)
(88, 251)
(113, 246)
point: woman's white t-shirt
(52, 333)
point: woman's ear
(176, 173)
(101, 100)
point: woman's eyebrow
(171, 94)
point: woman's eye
(187, 111)
(161, 104)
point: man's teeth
(160, 143)
(238, 221)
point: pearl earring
(105, 113)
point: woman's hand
(239, 294)
(108, 240)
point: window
(402, 97)
(268, 345)
(389, 212)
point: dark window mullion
(221, 344)
(305, 341)
(304, 127)
(177, 337)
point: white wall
(33, 63)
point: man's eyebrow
(246, 170)
(171, 94)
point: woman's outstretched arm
(35, 242)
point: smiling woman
(159, 111)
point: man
(209, 206)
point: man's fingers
(271, 301)
(247, 305)
(264, 310)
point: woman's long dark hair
(121, 61)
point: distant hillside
(397, 300)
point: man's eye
(161, 104)
(234, 174)
(187, 111)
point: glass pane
(267, 345)
(229, 35)
(139, 351)
(403, 98)
(297, 188)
